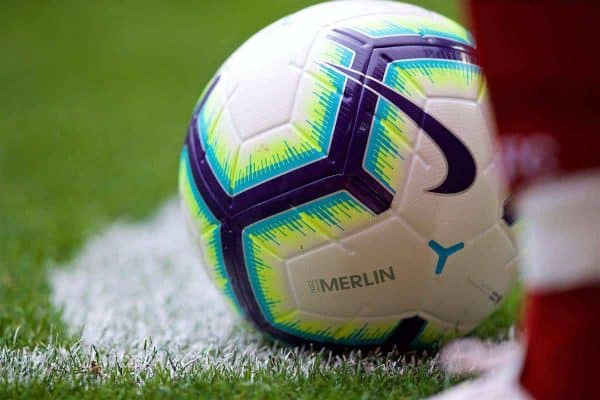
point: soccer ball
(339, 177)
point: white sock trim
(561, 233)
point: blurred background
(95, 98)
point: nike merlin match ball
(340, 179)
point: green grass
(351, 382)
(94, 104)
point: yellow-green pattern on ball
(269, 242)
(208, 229)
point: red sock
(561, 269)
(540, 62)
(562, 333)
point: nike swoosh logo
(460, 162)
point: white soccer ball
(341, 179)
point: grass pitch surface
(95, 100)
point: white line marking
(140, 299)
(140, 281)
